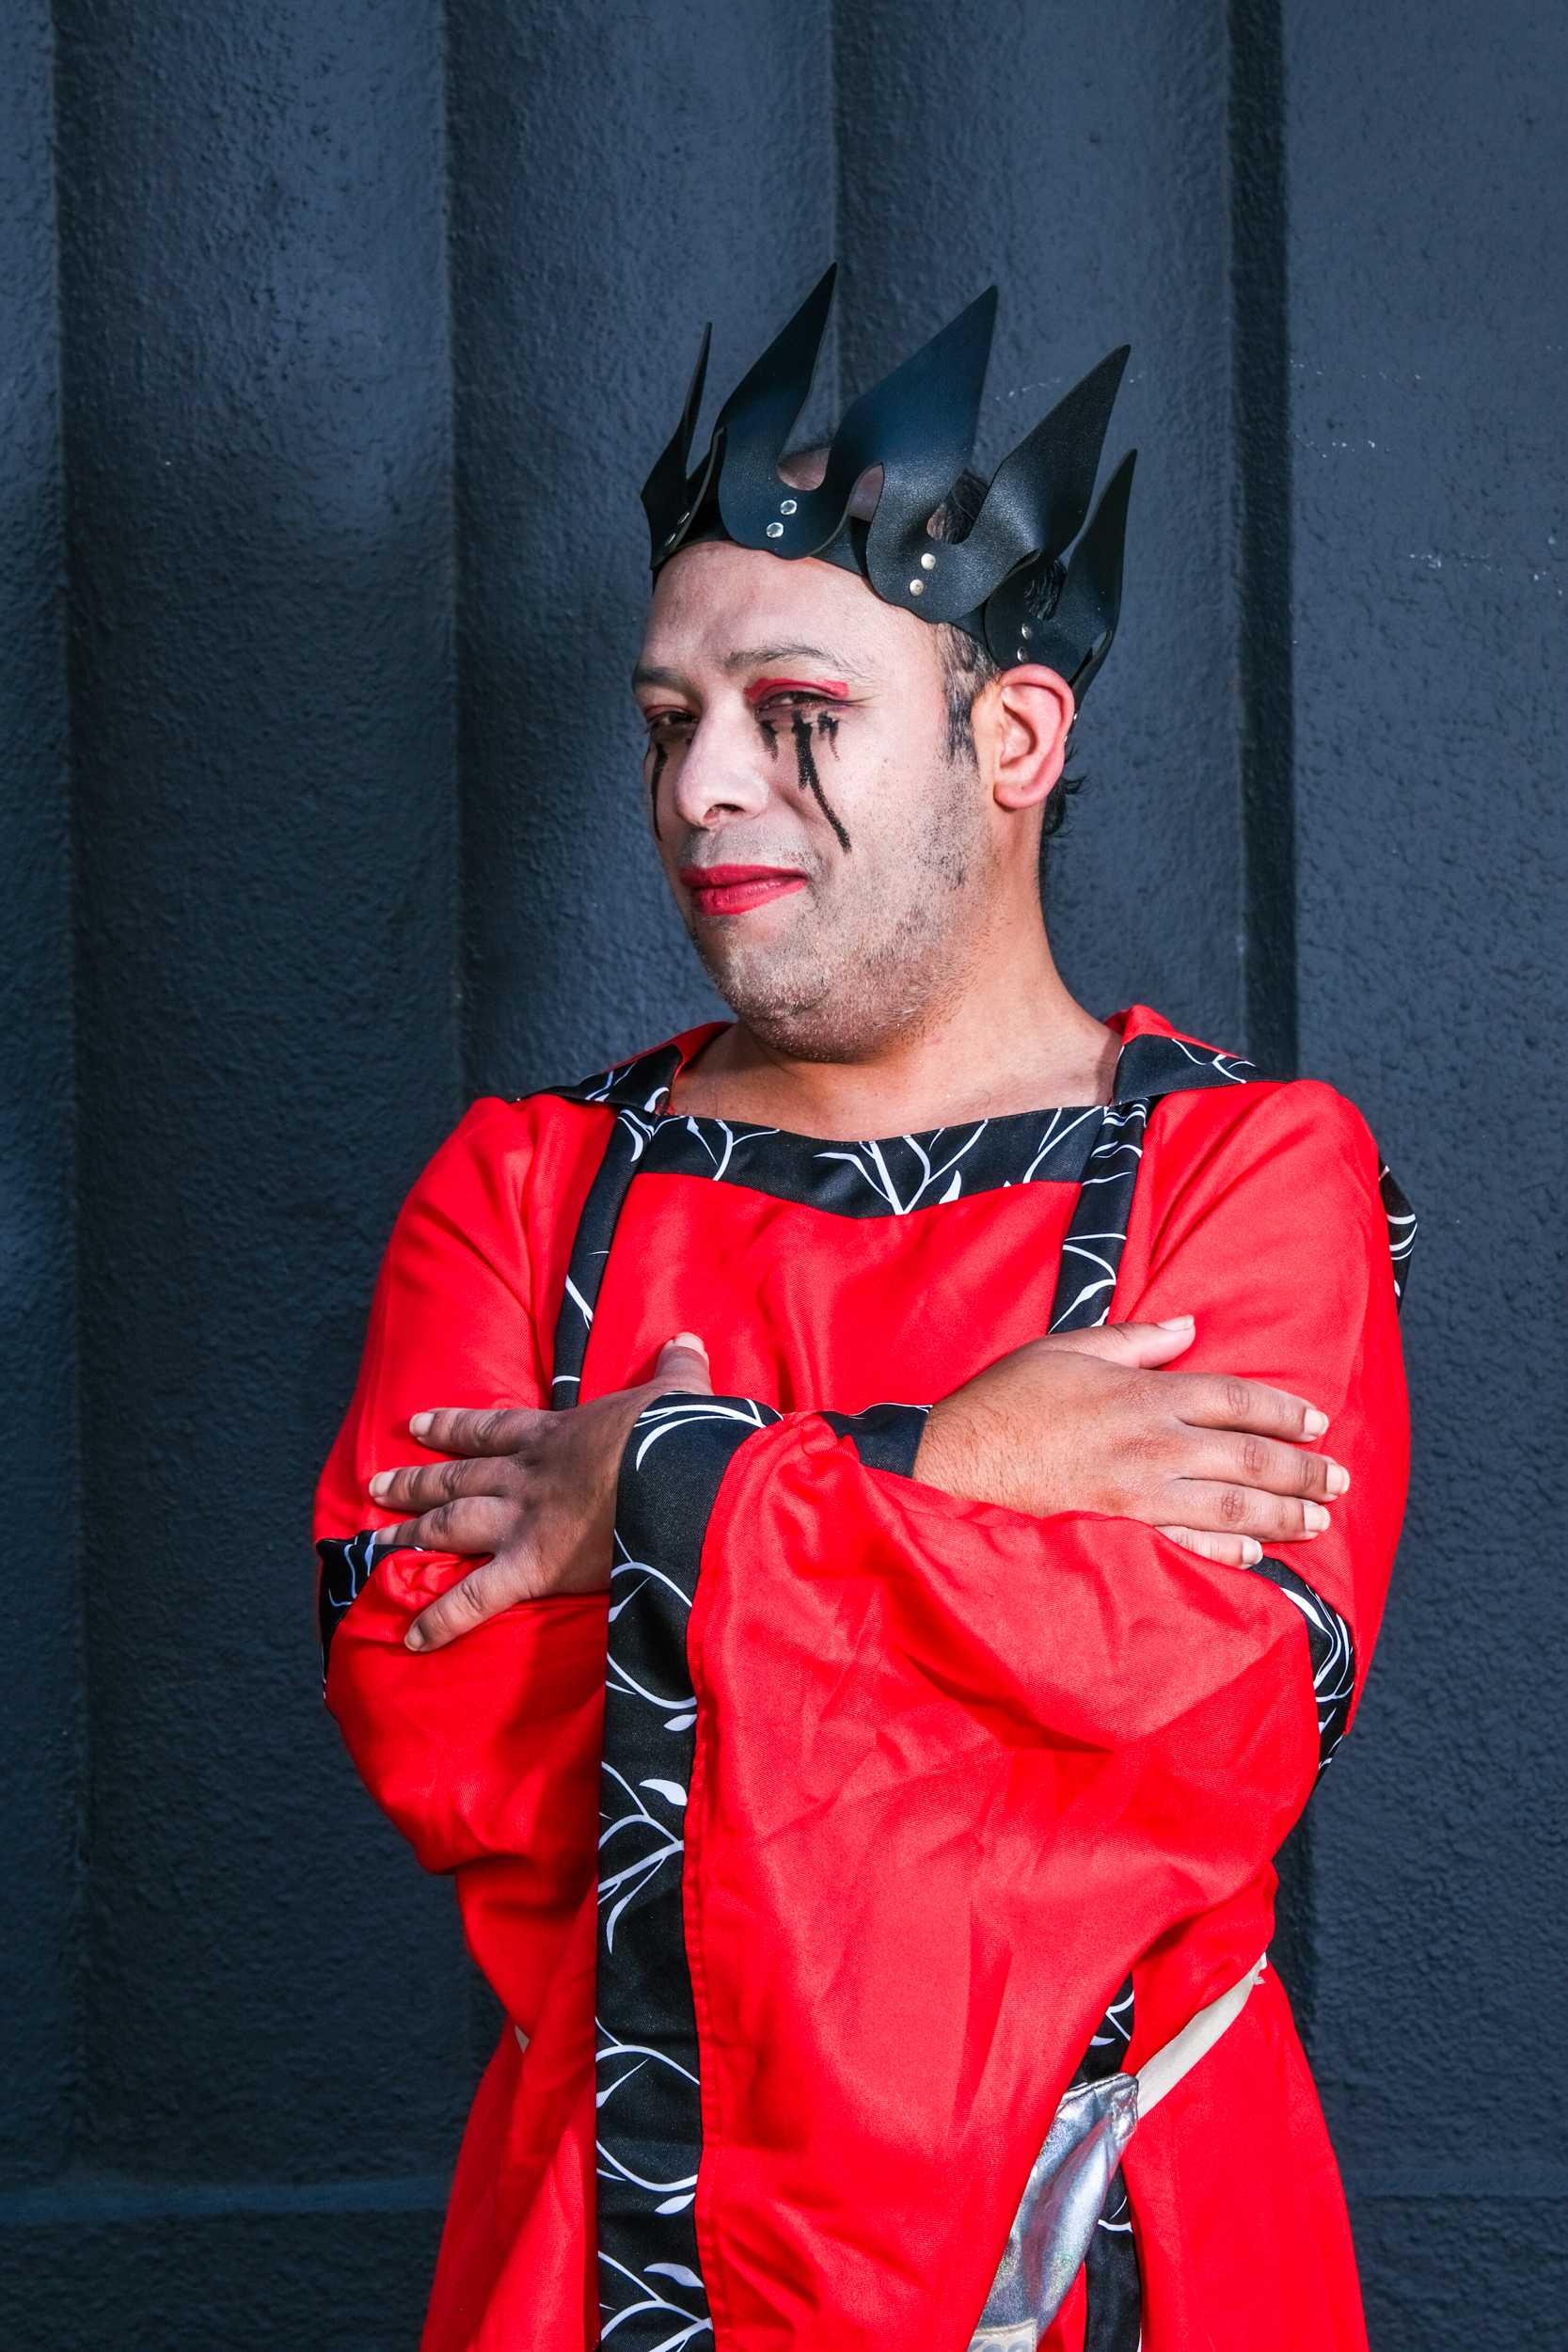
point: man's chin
(783, 998)
(802, 1015)
(764, 953)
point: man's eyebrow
(646, 673)
(762, 657)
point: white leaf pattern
(648, 2099)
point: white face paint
(828, 851)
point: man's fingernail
(1338, 1478)
(688, 1338)
(379, 1484)
(418, 1424)
(1314, 1423)
(1175, 1322)
(1251, 1551)
(1316, 1517)
(413, 1638)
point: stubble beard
(887, 945)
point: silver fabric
(1057, 2215)
(1066, 2186)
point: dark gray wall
(336, 340)
(40, 1723)
(1428, 328)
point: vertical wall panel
(1260, 585)
(1429, 323)
(620, 174)
(1077, 156)
(256, 380)
(40, 1713)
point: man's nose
(724, 769)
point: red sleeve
(1259, 1212)
(486, 1754)
(956, 1770)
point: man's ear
(1021, 722)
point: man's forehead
(741, 659)
(727, 610)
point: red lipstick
(737, 889)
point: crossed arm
(1092, 1420)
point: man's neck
(1015, 1041)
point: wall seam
(1259, 355)
(458, 965)
(1260, 396)
(81, 1729)
(835, 118)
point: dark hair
(968, 666)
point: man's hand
(1090, 1422)
(1086, 1422)
(534, 1490)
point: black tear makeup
(806, 763)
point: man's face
(828, 851)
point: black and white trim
(1097, 1234)
(1331, 1650)
(885, 1436)
(1402, 1229)
(345, 1571)
(1109, 2042)
(1112, 2280)
(650, 2129)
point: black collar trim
(1146, 1066)
(893, 1174)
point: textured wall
(260, 530)
(619, 174)
(258, 550)
(1078, 155)
(40, 1717)
(334, 342)
(1429, 323)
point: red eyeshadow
(834, 688)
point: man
(859, 1776)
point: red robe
(958, 1770)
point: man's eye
(795, 698)
(663, 726)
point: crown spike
(1080, 632)
(759, 414)
(1041, 493)
(665, 494)
(918, 426)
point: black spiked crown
(1008, 581)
